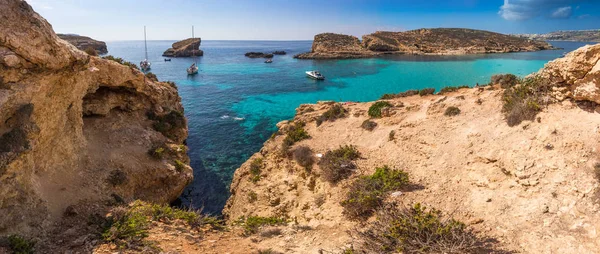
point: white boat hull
(313, 75)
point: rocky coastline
(85, 43)
(185, 48)
(438, 41)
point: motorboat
(315, 75)
(193, 69)
(269, 61)
(167, 59)
(145, 65)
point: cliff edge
(437, 41)
(84, 43)
(79, 133)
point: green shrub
(127, 229)
(368, 125)
(388, 96)
(375, 109)
(165, 124)
(256, 169)
(392, 135)
(366, 194)
(524, 101)
(333, 113)
(121, 61)
(304, 157)
(338, 164)
(251, 224)
(152, 76)
(416, 230)
(505, 80)
(408, 93)
(449, 89)
(20, 245)
(452, 111)
(252, 197)
(179, 165)
(426, 91)
(295, 133)
(91, 51)
(157, 152)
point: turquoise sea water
(234, 102)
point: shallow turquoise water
(233, 104)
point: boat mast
(194, 50)
(145, 45)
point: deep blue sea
(234, 102)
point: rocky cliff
(529, 188)
(439, 41)
(84, 43)
(576, 35)
(185, 48)
(78, 133)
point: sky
(114, 20)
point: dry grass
(303, 155)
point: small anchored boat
(315, 75)
(269, 61)
(167, 59)
(193, 69)
(145, 65)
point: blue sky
(301, 19)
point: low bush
(524, 101)
(121, 61)
(252, 197)
(304, 157)
(20, 245)
(268, 251)
(597, 170)
(332, 114)
(504, 80)
(295, 133)
(91, 51)
(251, 224)
(152, 76)
(366, 194)
(368, 125)
(167, 123)
(452, 111)
(375, 109)
(179, 165)
(338, 164)
(388, 96)
(449, 89)
(392, 135)
(426, 91)
(127, 229)
(416, 229)
(408, 93)
(157, 152)
(256, 169)
(116, 177)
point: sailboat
(145, 65)
(193, 69)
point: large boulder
(85, 43)
(186, 48)
(578, 72)
(78, 132)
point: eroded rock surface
(76, 131)
(185, 48)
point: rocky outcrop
(574, 35)
(516, 185)
(577, 75)
(79, 133)
(258, 55)
(439, 41)
(84, 43)
(186, 48)
(279, 52)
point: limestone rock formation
(258, 55)
(438, 41)
(83, 43)
(77, 132)
(578, 72)
(185, 48)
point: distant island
(437, 41)
(574, 35)
(85, 43)
(185, 48)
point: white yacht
(193, 69)
(145, 65)
(315, 75)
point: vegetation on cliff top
(121, 61)
(375, 109)
(338, 164)
(332, 114)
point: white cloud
(518, 10)
(562, 13)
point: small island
(438, 41)
(85, 43)
(258, 55)
(185, 48)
